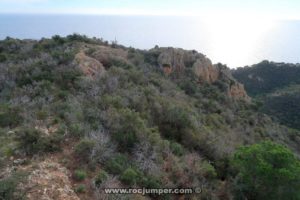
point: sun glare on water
(237, 41)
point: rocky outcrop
(237, 91)
(204, 69)
(89, 66)
(170, 60)
(107, 55)
(167, 69)
(173, 60)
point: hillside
(78, 115)
(265, 77)
(276, 85)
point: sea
(236, 43)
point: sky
(275, 9)
(236, 29)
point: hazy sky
(282, 9)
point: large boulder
(89, 66)
(108, 55)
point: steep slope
(276, 85)
(284, 105)
(163, 118)
(267, 76)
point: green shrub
(80, 189)
(176, 148)
(8, 187)
(32, 141)
(2, 58)
(129, 126)
(117, 164)
(62, 94)
(189, 87)
(66, 77)
(266, 171)
(63, 57)
(101, 177)
(174, 123)
(41, 115)
(76, 129)
(83, 150)
(51, 143)
(58, 39)
(208, 170)
(130, 177)
(150, 182)
(120, 63)
(39, 71)
(9, 116)
(78, 38)
(79, 175)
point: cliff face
(173, 60)
(204, 69)
(178, 59)
(235, 89)
(238, 91)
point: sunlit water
(234, 42)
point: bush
(41, 115)
(174, 123)
(67, 77)
(130, 177)
(80, 189)
(2, 58)
(189, 87)
(101, 177)
(176, 149)
(208, 170)
(62, 57)
(79, 175)
(150, 182)
(83, 150)
(76, 130)
(32, 141)
(78, 38)
(117, 164)
(9, 116)
(128, 128)
(51, 143)
(266, 171)
(58, 39)
(8, 187)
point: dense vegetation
(277, 86)
(266, 77)
(267, 171)
(132, 125)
